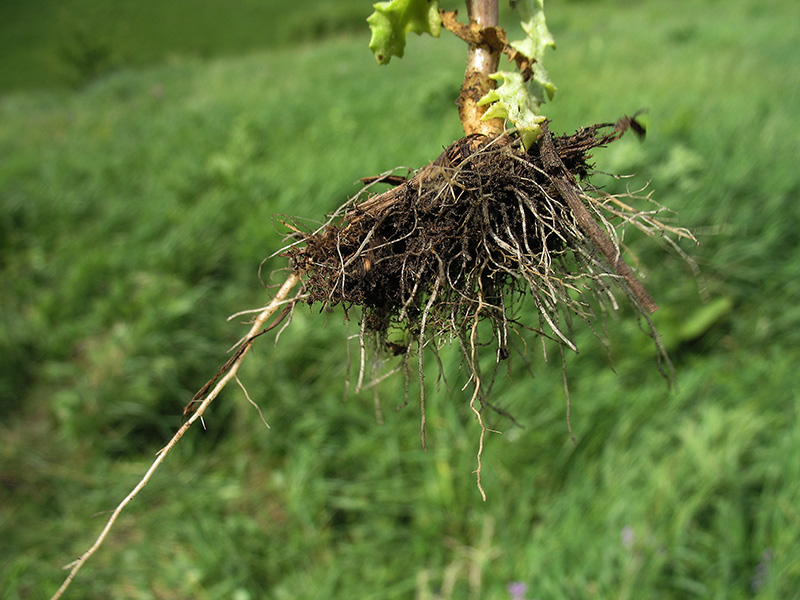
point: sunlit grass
(136, 211)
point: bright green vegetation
(134, 214)
(393, 21)
(514, 100)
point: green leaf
(515, 100)
(393, 21)
(531, 13)
(701, 320)
(512, 101)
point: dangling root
(464, 241)
(193, 412)
(475, 236)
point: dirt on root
(486, 228)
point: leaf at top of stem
(531, 14)
(518, 100)
(393, 21)
(512, 101)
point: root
(486, 240)
(193, 412)
(487, 232)
(566, 187)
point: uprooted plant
(504, 224)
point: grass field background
(144, 149)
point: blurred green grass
(49, 43)
(135, 214)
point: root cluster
(458, 251)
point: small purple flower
(626, 537)
(517, 589)
(762, 570)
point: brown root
(456, 251)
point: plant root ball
(485, 228)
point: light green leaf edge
(531, 14)
(393, 21)
(514, 100)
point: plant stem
(482, 61)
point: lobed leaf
(531, 14)
(512, 101)
(516, 100)
(393, 21)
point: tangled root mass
(473, 237)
